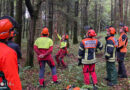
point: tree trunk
(50, 17)
(19, 20)
(84, 16)
(12, 8)
(67, 20)
(30, 43)
(121, 10)
(115, 14)
(112, 12)
(34, 15)
(95, 23)
(126, 9)
(75, 37)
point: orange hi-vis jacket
(9, 66)
(122, 43)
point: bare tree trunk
(34, 15)
(75, 37)
(84, 16)
(126, 9)
(50, 17)
(112, 12)
(12, 8)
(115, 14)
(95, 24)
(67, 20)
(19, 20)
(121, 10)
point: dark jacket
(110, 48)
(87, 50)
(16, 47)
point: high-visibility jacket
(44, 45)
(87, 50)
(63, 43)
(110, 48)
(122, 43)
(9, 67)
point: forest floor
(73, 74)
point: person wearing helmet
(14, 46)
(86, 56)
(63, 50)
(121, 51)
(43, 47)
(9, 78)
(110, 51)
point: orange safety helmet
(72, 87)
(112, 30)
(91, 33)
(126, 29)
(66, 36)
(5, 26)
(45, 31)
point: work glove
(80, 62)
(41, 56)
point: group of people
(114, 50)
(43, 47)
(10, 54)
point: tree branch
(30, 8)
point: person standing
(63, 49)
(122, 50)
(86, 56)
(9, 77)
(110, 56)
(43, 47)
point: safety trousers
(111, 72)
(59, 57)
(42, 70)
(122, 69)
(89, 69)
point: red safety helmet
(5, 26)
(66, 36)
(112, 30)
(126, 29)
(45, 31)
(91, 33)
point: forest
(66, 17)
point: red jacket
(9, 66)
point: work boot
(110, 84)
(56, 82)
(95, 87)
(123, 76)
(106, 79)
(42, 86)
(65, 66)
